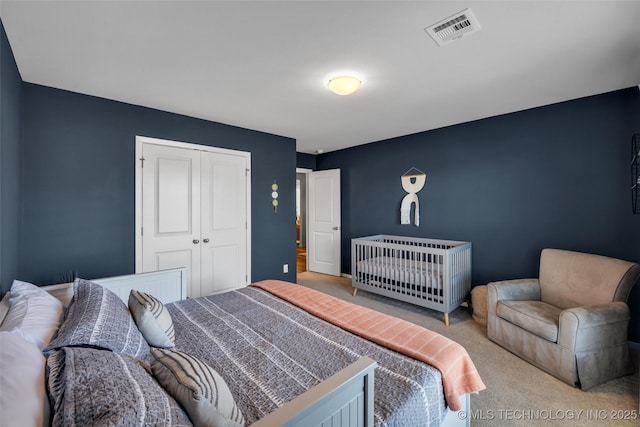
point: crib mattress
(421, 273)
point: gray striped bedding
(269, 352)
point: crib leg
(355, 291)
(446, 319)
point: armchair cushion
(537, 317)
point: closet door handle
(196, 241)
(205, 240)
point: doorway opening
(301, 220)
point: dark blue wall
(78, 182)
(10, 165)
(305, 161)
(556, 176)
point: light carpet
(518, 393)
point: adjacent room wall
(556, 176)
(10, 165)
(78, 182)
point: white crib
(431, 273)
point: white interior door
(223, 222)
(171, 211)
(323, 244)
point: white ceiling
(263, 64)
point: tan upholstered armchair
(571, 321)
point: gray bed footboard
(344, 399)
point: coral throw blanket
(459, 374)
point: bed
(249, 340)
(431, 273)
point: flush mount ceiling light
(344, 85)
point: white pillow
(152, 318)
(33, 313)
(23, 400)
(4, 307)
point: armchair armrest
(594, 326)
(511, 290)
(517, 290)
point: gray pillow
(92, 387)
(152, 318)
(97, 317)
(200, 390)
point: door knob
(196, 241)
(205, 240)
(337, 227)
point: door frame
(140, 140)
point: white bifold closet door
(194, 215)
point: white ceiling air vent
(454, 27)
